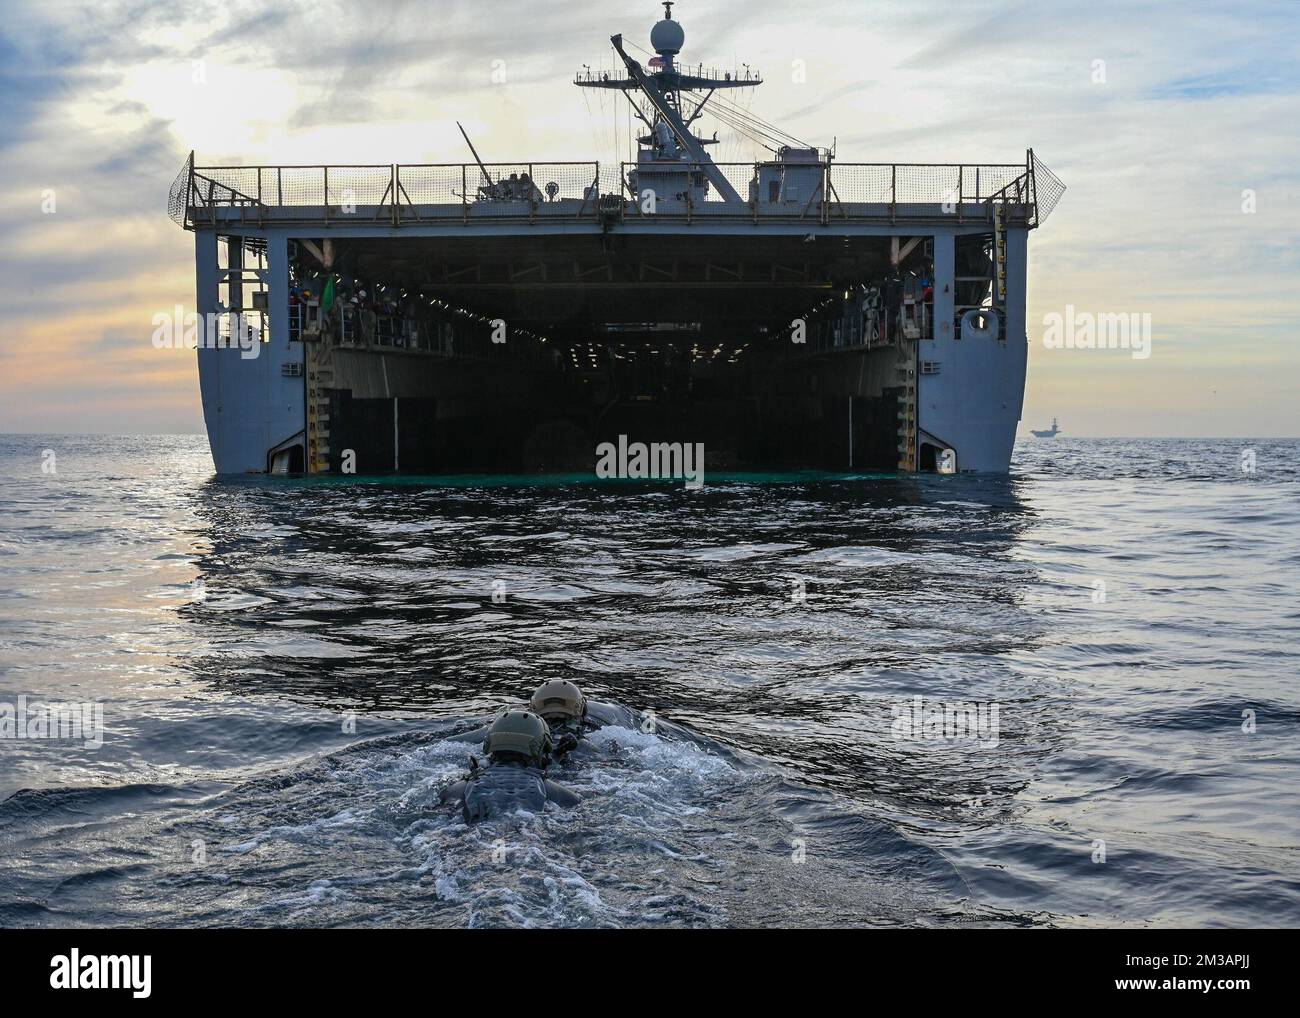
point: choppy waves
(280, 663)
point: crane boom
(673, 119)
(482, 169)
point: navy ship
(798, 312)
(1051, 432)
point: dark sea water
(279, 661)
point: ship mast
(670, 135)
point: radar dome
(667, 36)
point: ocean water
(278, 663)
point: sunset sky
(100, 103)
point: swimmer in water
(562, 706)
(518, 747)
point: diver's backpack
(492, 791)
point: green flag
(327, 298)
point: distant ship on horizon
(1051, 432)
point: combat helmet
(559, 700)
(520, 732)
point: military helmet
(519, 731)
(559, 700)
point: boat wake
(672, 829)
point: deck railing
(400, 194)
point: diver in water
(562, 706)
(518, 746)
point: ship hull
(657, 296)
